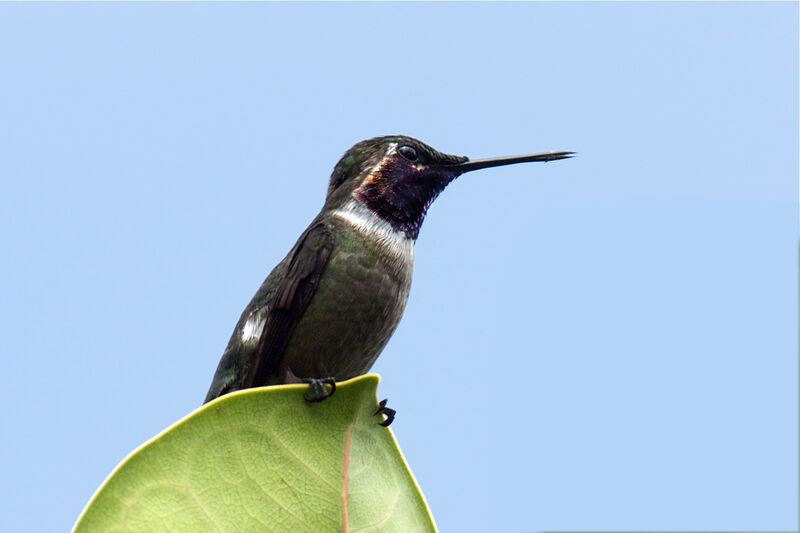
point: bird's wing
(307, 262)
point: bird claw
(319, 391)
(389, 412)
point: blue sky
(603, 343)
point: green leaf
(266, 460)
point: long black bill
(510, 160)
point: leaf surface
(266, 460)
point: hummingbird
(327, 310)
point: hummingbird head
(398, 177)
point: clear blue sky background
(603, 343)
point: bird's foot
(389, 412)
(319, 391)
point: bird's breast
(359, 301)
(395, 249)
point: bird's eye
(408, 152)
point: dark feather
(294, 293)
